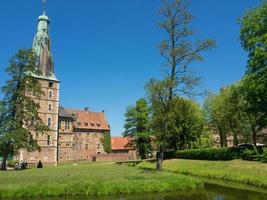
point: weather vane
(44, 5)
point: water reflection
(210, 192)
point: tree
(254, 41)
(106, 141)
(20, 116)
(185, 123)
(136, 127)
(214, 111)
(179, 52)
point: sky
(106, 50)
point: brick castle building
(74, 134)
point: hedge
(210, 154)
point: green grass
(90, 179)
(248, 172)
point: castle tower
(49, 102)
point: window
(49, 107)
(98, 125)
(49, 122)
(67, 144)
(98, 146)
(50, 84)
(86, 124)
(48, 140)
(50, 94)
(67, 125)
(86, 146)
(92, 124)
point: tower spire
(44, 6)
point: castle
(73, 134)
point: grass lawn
(90, 179)
(253, 173)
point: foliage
(203, 142)
(210, 154)
(226, 114)
(264, 156)
(11, 163)
(253, 173)
(184, 123)
(136, 127)
(254, 41)
(90, 179)
(19, 112)
(250, 154)
(106, 141)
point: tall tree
(136, 126)
(179, 52)
(254, 41)
(20, 119)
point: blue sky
(105, 51)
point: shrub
(264, 156)
(11, 163)
(40, 164)
(250, 154)
(210, 154)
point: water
(211, 191)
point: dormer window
(86, 124)
(92, 124)
(98, 125)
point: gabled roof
(84, 119)
(121, 143)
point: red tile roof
(88, 120)
(121, 143)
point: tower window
(50, 84)
(50, 95)
(49, 122)
(49, 107)
(48, 140)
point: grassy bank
(90, 179)
(253, 173)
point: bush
(210, 154)
(40, 164)
(264, 156)
(250, 154)
(11, 163)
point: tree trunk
(3, 165)
(235, 140)
(254, 137)
(160, 157)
